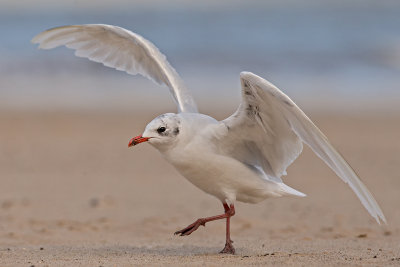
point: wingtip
(381, 220)
(38, 39)
(42, 36)
(34, 40)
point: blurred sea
(321, 55)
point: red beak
(137, 140)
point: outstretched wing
(268, 129)
(121, 49)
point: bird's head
(161, 132)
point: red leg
(229, 212)
(229, 249)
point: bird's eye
(161, 129)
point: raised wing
(267, 130)
(121, 49)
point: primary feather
(267, 130)
(123, 50)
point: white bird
(241, 158)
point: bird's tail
(287, 190)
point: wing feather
(276, 115)
(121, 49)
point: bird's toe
(228, 249)
(191, 228)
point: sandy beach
(73, 194)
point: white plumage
(240, 158)
(121, 49)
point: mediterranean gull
(240, 158)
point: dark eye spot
(161, 129)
